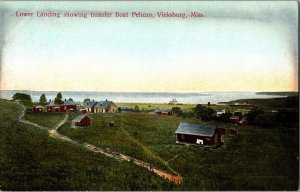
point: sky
(237, 46)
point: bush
(136, 108)
(225, 117)
(177, 110)
(253, 114)
(203, 112)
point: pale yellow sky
(219, 52)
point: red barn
(66, 106)
(206, 135)
(82, 120)
(38, 108)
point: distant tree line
(27, 101)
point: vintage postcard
(149, 96)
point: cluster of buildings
(87, 107)
(70, 106)
(186, 133)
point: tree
(21, 96)
(43, 100)
(204, 112)
(136, 108)
(238, 114)
(58, 99)
(225, 117)
(177, 110)
(207, 114)
(70, 99)
(253, 114)
(24, 98)
(86, 100)
(198, 110)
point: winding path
(177, 179)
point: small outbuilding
(234, 119)
(38, 108)
(111, 124)
(159, 111)
(166, 112)
(81, 120)
(206, 135)
(243, 121)
(233, 132)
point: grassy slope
(258, 159)
(31, 160)
(45, 119)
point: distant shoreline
(281, 93)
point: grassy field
(259, 158)
(31, 160)
(153, 106)
(45, 119)
(136, 134)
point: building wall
(62, 108)
(112, 108)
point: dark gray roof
(52, 104)
(66, 102)
(157, 110)
(103, 104)
(162, 110)
(90, 103)
(196, 129)
(79, 118)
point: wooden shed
(206, 135)
(38, 109)
(81, 120)
(159, 111)
(234, 119)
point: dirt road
(177, 179)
